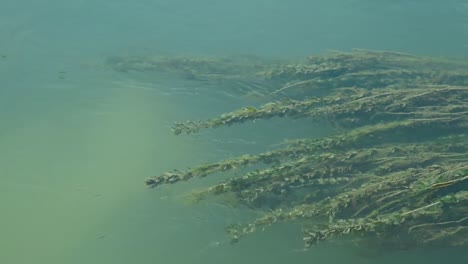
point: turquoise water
(77, 140)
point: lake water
(77, 139)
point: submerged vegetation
(394, 173)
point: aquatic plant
(237, 74)
(395, 172)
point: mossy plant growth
(395, 172)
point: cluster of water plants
(394, 173)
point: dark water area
(77, 139)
